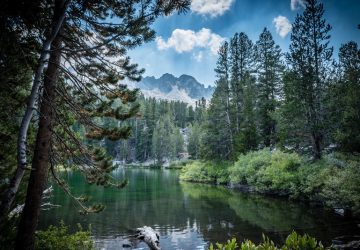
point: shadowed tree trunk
(9, 194)
(40, 164)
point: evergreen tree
(218, 139)
(19, 48)
(167, 142)
(240, 64)
(345, 101)
(178, 141)
(269, 69)
(310, 57)
(94, 52)
(194, 142)
(247, 138)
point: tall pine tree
(309, 57)
(269, 69)
(218, 139)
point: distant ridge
(184, 88)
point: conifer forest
(256, 145)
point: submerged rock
(346, 242)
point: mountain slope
(184, 88)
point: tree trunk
(40, 165)
(9, 194)
(150, 236)
(317, 140)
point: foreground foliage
(293, 241)
(57, 238)
(333, 181)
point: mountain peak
(167, 75)
(186, 84)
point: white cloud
(198, 56)
(186, 40)
(211, 7)
(282, 25)
(294, 4)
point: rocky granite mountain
(184, 88)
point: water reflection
(187, 215)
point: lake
(188, 215)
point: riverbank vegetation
(293, 241)
(332, 181)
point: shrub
(206, 172)
(301, 242)
(249, 166)
(268, 171)
(334, 180)
(59, 238)
(179, 164)
(293, 241)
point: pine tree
(247, 138)
(241, 58)
(269, 69)
(310, 57)
(17, 60)
(218, 138)
(167, 142)
(194, 142)
(88, 54)
(344, 99)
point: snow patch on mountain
(184, 88)
(175, 94)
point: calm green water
(188, 215)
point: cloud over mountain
(187, 40)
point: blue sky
(187, 43)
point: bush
(293, 241)
(59, 238)
(268, 171)
(301, 242)
(334, 180)
(206, 172)
(179, 164)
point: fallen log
(149, 236)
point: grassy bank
(333, 181)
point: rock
(346, 243)
(149, 236)
(352, 245)
(340, 211)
